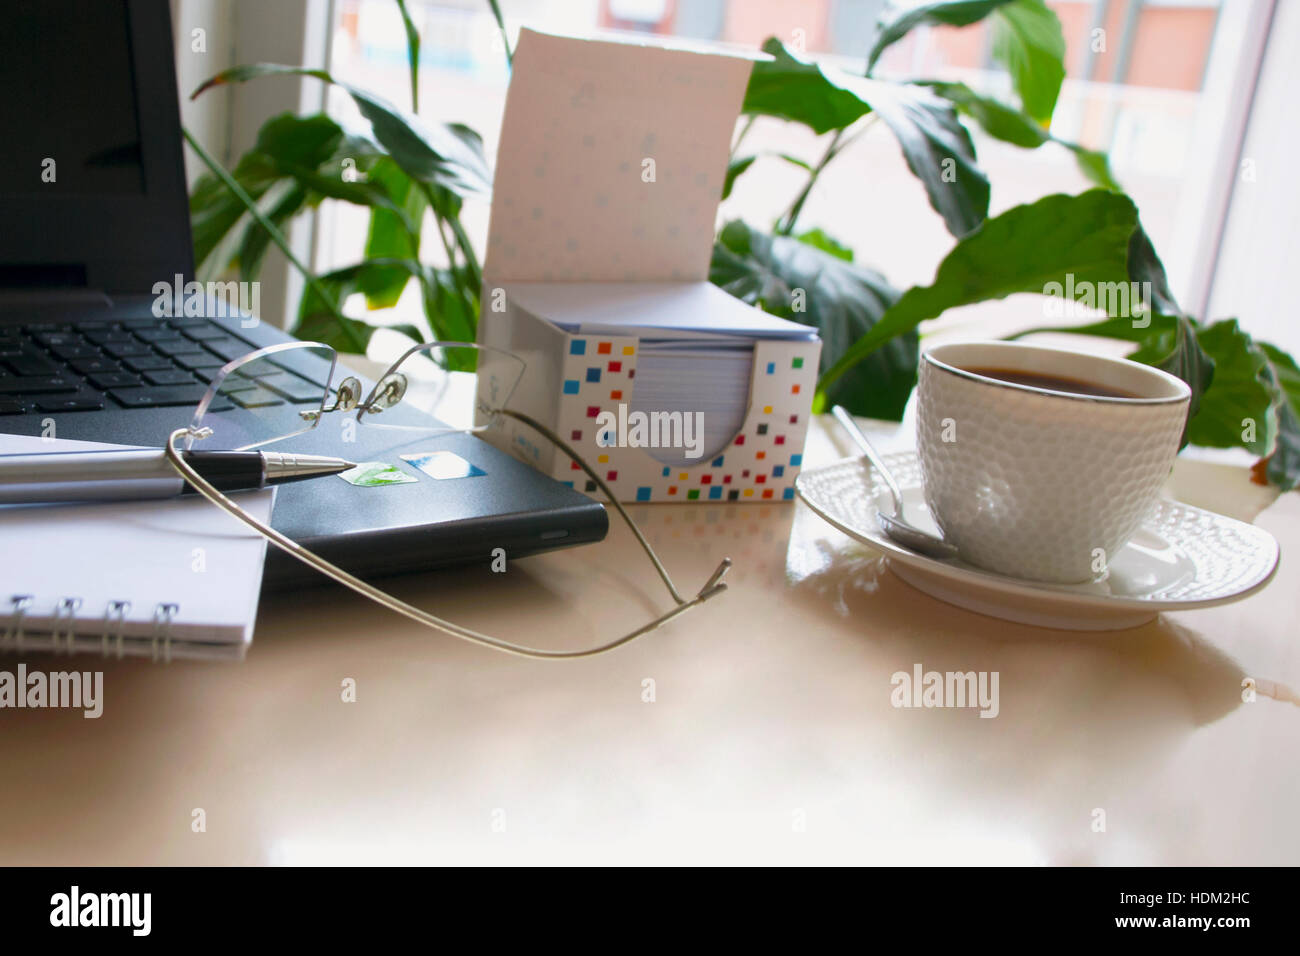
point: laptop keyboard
(130, 363)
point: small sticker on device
(443, 465)
(372, 474)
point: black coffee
(1054, 382)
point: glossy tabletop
(758, 728)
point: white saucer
(1181, 558)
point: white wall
(213, 35)
(205, 36)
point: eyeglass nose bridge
(388, 391)
(346, 397)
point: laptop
(94, 213)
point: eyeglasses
(281, 391)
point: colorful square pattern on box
(759, 464)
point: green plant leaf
(412, 54)
(328, 182)
(450, 305)
(1283, 465)
(791, 88)
(1028, 41)
(442, 154)
(391, 236)
(501, 28)
(735, 169)
(797, 280)
(938, 150)
(1022, 250)
(1283, 375)
(1239, 391)
(1013, 126)
(1228, 372)
(998, 120)
(331, 331)
(256, 240)
(1094, 165)
(283, 139)
(818, 239)
(215, 212)
(897, 20)
(936, 146)
(292, 140)
(295, 161)
(1144, 266)
(250, 204)
(317, 320)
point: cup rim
(1183, 393)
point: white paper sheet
(182, 551)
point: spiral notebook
(165, 579)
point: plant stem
(785, 225)
(501, 26)
(413, 54)
(276, 236)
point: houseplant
(1245, 393)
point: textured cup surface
(1040, 484)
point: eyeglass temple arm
(715, 581)
(711, 588)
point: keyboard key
(255, 398)
(51, 339)
(76, 403)
(169, 376)
(292, 387)
(205, 330)
(79, 350)
(158, 396)
(124, 349)
(178, 346)
(114, 379)
(29, 364)
(166, 333)
(100, 336)
(36, 384)
(10, 407)
(233, 383)
(147, 363)
(228, 348)
(94, 366)
(199, 360)
(150, 322)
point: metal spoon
(895, 525)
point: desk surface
(771, 736)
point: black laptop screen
(69, 108)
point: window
(1135, 76)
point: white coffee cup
(1036, 482)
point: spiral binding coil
(65, 614)
(162, 630)
(112, 636)
(115, 620)
(14, 630)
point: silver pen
(135, 474)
